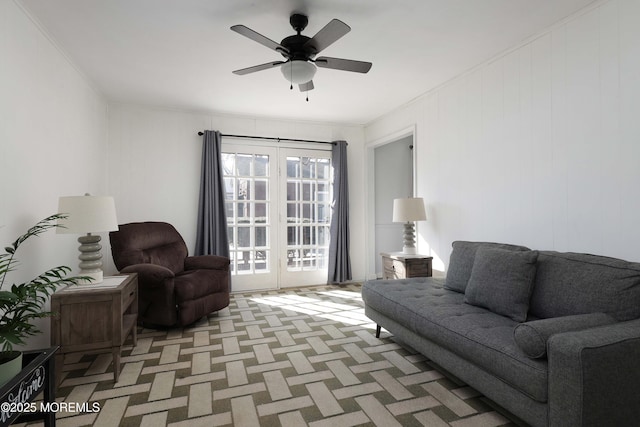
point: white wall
(539, 146)
(155, 155)
(52, 142)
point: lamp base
(90, 258)
(409, 246)
(96, 277)
(409, 251)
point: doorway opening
(390, 159)
(393, 166)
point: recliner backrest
(148, 243)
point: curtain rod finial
(200, 133)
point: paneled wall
(539, 146)
(155, 159)
(53, 128)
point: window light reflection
(345, 306)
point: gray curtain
(212, 219)
(339, 261)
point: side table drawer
(394, 269)
(85, 325)
(129, 294)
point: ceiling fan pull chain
(291, 72)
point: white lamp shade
(298, 72)
(87, 214)
(408, 210)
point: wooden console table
(398, 265)
(95, 317)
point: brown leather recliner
(173, 288)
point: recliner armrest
(594, 376)
(148, 273)
(211, 262)
(156, 298)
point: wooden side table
(95, 317)
(398, 265)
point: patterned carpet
(298, 357)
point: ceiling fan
(300, 52)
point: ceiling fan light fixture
(298, 72)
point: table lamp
(409, 210)
(88, 214)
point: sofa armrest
(594, 376)
(211, 262)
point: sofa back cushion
(462, 259)
(501, 281)
(570, 283)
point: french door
(306, 186)
(278, 215)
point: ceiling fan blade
(343, 64)
(255, 68)
(328, 35)
(257, 37)
(305, 87)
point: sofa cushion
(501, 281)
(571, 283)
(474, 333)
(532, 337)
(461, 262)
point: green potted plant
(21, 303)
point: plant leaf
(25, 301)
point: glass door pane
(250, 194)
(307, 185)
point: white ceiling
(180, 53)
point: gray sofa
(552, 337)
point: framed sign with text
(16, 396)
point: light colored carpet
(298, 357)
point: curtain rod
(272, 138)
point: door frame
(279, 217)
(370, 220)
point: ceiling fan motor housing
(298, 50)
